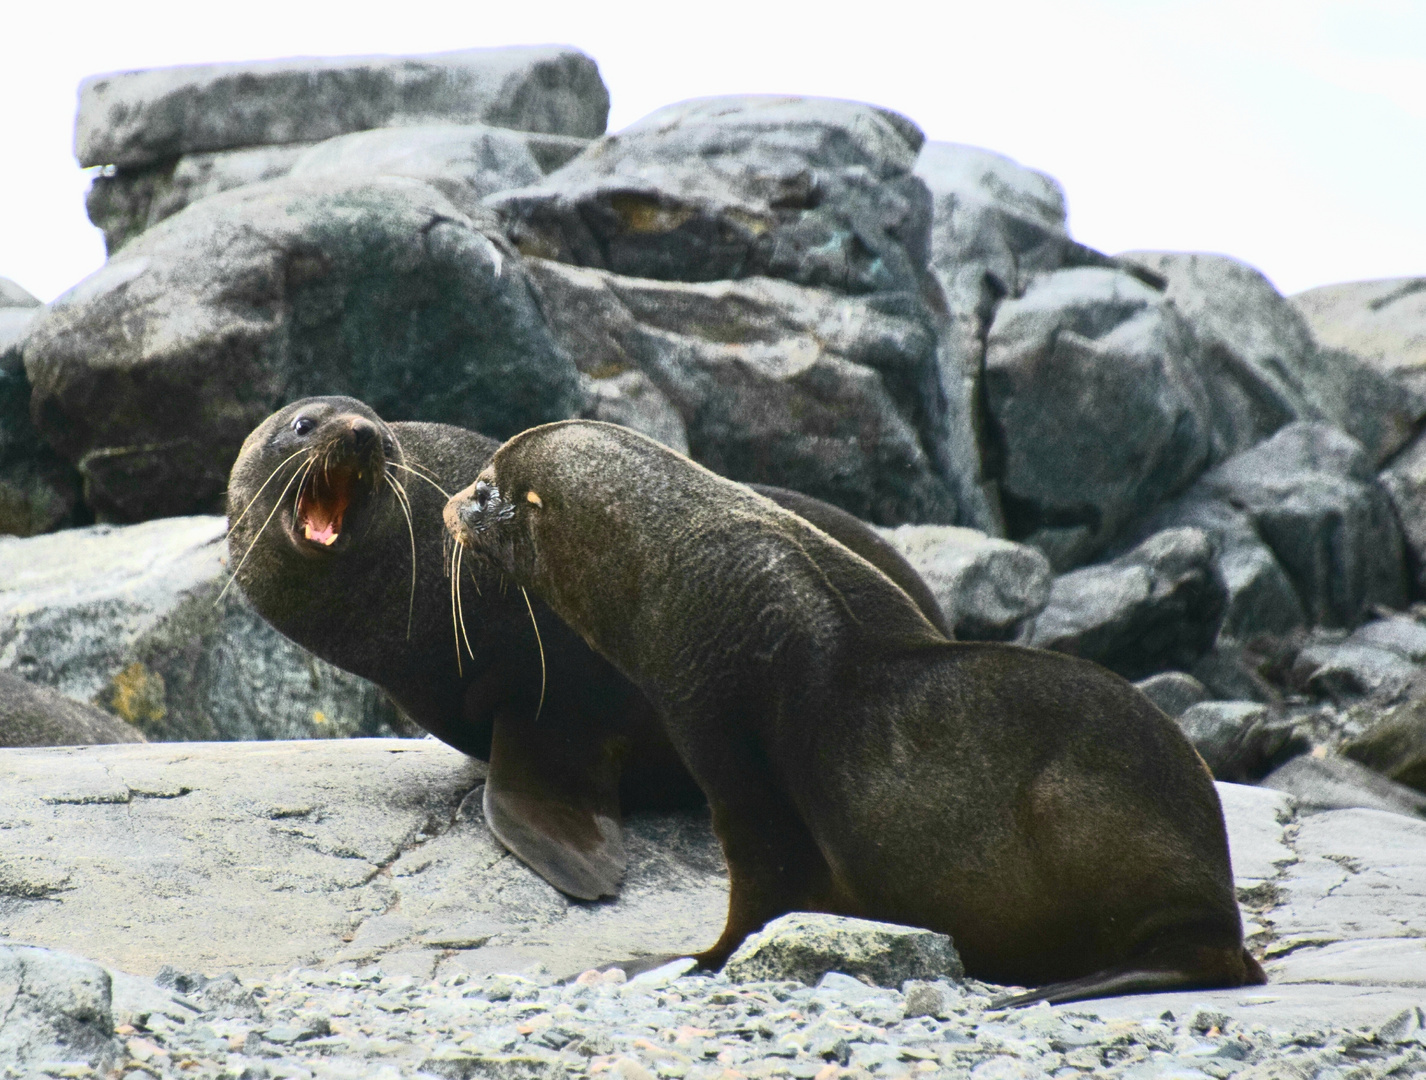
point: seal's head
(319, 473)
(494, 523)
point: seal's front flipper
(555, 811)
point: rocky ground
(331, 909)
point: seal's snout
(361, 436)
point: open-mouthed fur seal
(1032, 805)
(336, 538)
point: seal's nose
(361, 435)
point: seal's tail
(1199, 969)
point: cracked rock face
(54, 1008)
(150, 373)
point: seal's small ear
(533, 499)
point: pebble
(675, 1025)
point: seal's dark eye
(482, 494)
(303, 424)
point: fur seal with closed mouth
(336, 538)
(1034, 806)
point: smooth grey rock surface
(353, 851)
(129, 618)
(631, 398)
(811, 190)
(33, 715)
(466, 162)
(13, 295)
(54, 1009)
(1173, 691)
(122, 203)
(150, 373)
(1241, 740)
(987, 587)
(1339, 783)
(1263, 367)
(1155, 607)
(1261, 597)
(1352, 670)
(1098, 409)
(775, 383)
(804, 946)
(136, 117)
(1312, 495)
(1381, 322)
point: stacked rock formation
(1152, 459)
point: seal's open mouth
(322, 504)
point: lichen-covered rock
(1241, 741)
(56, 1009)
(1382, 323)
(811, 190)
(1263, 367)
(986, 587)
(150, 373)
(1097, 408)
(130, 619)
(38, 716)
(775, 383)
(805, 946)
(1155, 607)
(137, 117)
(1312, 495)
(1173, 691)
(1395, 744)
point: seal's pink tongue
(322, 505)
(325, 535)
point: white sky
(1288, 133)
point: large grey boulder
(1395, 744)
(33, 715)
(56, 1013)
(150, 372)
(38, 491)
(1380, 660)
(1338, 783)
(1261, 597)
(775, 383)
(1405, 482)
(122, 203)
(1097, 408)
(804, 946)
(1153, 608)
(131, 620)
(137, 117)
(466, 161)
(1312, 495)
(815, 191)
(1241, 741)
(987, 588)
(1173, 691)
(1263, 367)
(1383, 323)
(353, 851)
(631, 398)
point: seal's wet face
(483, 520)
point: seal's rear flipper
(1213, 969)
(562, 822)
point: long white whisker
(260, 490)
(530, 608)
(420, 475)
(460, 605)
(258, 535)
(401, 499)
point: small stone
(805, 946)
(924, 999)
(1173, 691)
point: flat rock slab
(333, 855)
(258, 857)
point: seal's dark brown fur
(324, 550)
(1034, 806)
